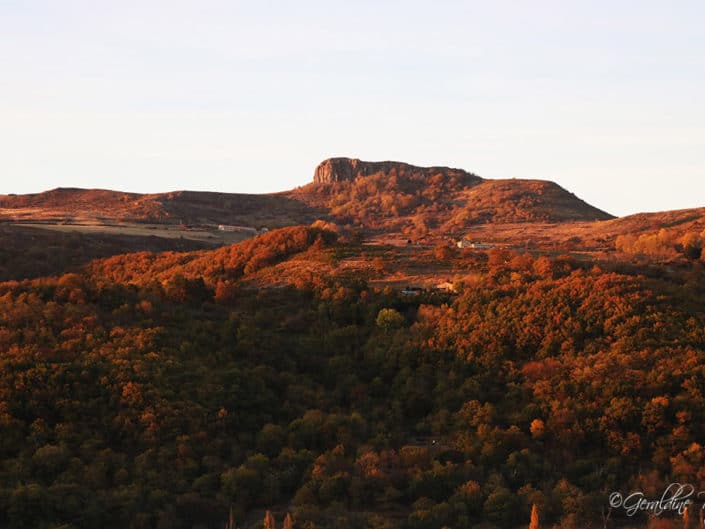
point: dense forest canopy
(173, 390)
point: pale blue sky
(605, 98)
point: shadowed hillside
(28, 252)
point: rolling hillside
(294, 373)
(377, 196)
(179, 207)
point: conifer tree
(269, 522)
(686, 517)
(231, 519)
(534, 517)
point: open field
(212, 236)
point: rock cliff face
(346, 169)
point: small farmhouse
(446, 286)
(464, 243)
(239, 229)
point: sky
(606, 98)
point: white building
(242, 229)
(464, 243)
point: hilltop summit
(349, 169)
(395, 196)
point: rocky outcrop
(346, 169)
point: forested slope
(160, 390)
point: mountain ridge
(341, 169)
(378, 197)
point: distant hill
(348, 169)
(187, 207)
(394, 196)
(379, 197)
(679, 220)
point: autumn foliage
(163, 390)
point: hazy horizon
(603, 99)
